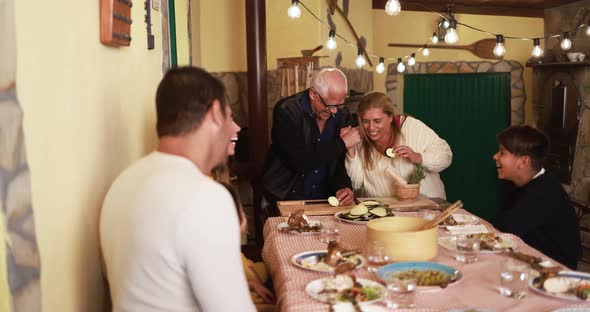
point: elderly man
(306, 157)
(166, 228)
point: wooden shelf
(559, 64)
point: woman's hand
(407, 153)
(262, 291)
(345, 196)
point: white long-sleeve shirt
(379, 181)
(171, 241)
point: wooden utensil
(483, 48)
(443, 215)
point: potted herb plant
(410, 191)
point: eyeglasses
(327, 107)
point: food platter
(573, 277)
(450, 243)
(373, 291)
(311, 260)
(452, 275)
(312, 223)
(364, 212)
(461, 219)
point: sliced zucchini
(379, 211)
(390, 153)
(359, 210)
(370, 203)
(333, 201)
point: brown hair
(184, 96)
(383, 102)
(525, 141)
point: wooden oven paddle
(483, 48)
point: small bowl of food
(576, 56)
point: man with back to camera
(535, 206)
(306, 157)
(169, 234)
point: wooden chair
(296, 73)
(581, 211)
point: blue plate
(575, 277)
(310, 260)
(385, 273)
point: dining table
(476, 290)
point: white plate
(573, 275)
(314, 288)
(283, 225)
(339, 217)
(463, 219)
(450, 243)
(310, 260)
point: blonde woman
(372, 173)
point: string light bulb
(400, 65)
(425, 51)
(566, 44)
(381, 66)
(393, 7)
(537, 51)
(412, 59)
(360, 60)
(588, 28)
(331, 42)
(499, 49)
(445, 23)
(434, 38)
(451, 37)
(294, 11)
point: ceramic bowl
(576, 56)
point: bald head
(331, 82)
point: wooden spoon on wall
(483, 48)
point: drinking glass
(401, 292)
(428, 214)
(329, 232)
(376, 256)
(514, 278)
(467, 248)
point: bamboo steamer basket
(402, 238)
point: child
(535, 206)
(256, 273)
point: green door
(467, 110)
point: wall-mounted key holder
(115, 22)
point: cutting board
(320, 207)
(312, 207)
(397, 205)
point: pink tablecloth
(476, 289)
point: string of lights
(449, 23)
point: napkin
(467, 229)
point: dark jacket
(293, 152)
(542, 214)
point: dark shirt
(541, 213)
(296, 153)
(313, 185)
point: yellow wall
(182, 36)
(88, 113)
(416, 27)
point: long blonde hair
(369, 101)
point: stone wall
(517, 93)
(22, 255)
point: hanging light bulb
(566, 44)
(381, 66)
(537, 51)
(400, 65)
(425, 51)
(392, 7)
(294, 11)
(331, 42)
(499, 49)
(445, 23)
(434, 38)
(412, 59)
(452, 37)
(360, 60)
(588, 29)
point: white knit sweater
(379, 182)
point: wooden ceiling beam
(519, 8)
